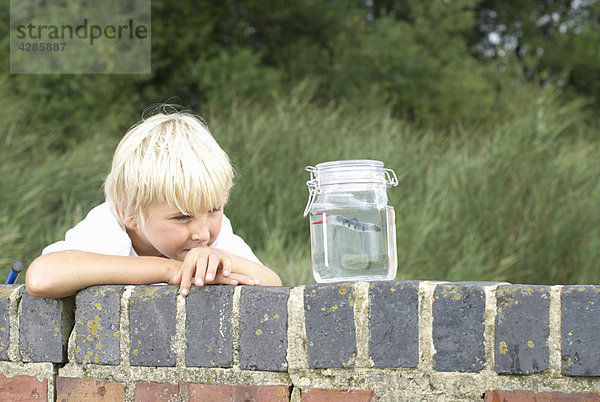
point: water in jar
(353, 244)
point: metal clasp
(314, 187)
(391, 178)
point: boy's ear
(130, 222)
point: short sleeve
(100, 232)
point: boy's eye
(214, 210)
(181, 217)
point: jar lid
(347, 172)
(350, 171)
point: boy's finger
(201, 263)
(213, 264)
(221, 280)
(226, 265)
(243, 279)
(187, 272)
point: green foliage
(574, 61)
(553, 41)
(231, 75)
(517, 203)
(395, 61)
(503, 207)
(294, 36)
(64, 107)
(44, 192)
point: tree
(419, 61)
(554, 40)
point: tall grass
(517, 201)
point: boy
(162, 220)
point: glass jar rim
(363, 163)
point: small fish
(353, 223)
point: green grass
(515, 201)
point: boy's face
(168, 232)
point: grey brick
(152, 313)
(44, 328)
(263, 338)
(394, 324)
(5, 292)
(96, 335)
(458, 312)
(580, 327)
(522, 329)
(208, 326)
(330, 328)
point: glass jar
(352, 227)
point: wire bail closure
(391, 178)
(314, 187)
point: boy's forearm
(64, 273)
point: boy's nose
(199, 231)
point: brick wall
(357, 342)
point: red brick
(246, 393)
(87, 389)
(529, 396)
(151, 391)
(335, 395)
(23, 388)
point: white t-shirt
(101, 232)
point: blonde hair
(168, 158)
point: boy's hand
(204, 265)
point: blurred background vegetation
(486, 109)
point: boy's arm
(64, 273)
